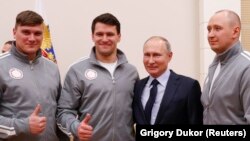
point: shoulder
(187, 78)
(48, 62)
(5, 59)
(79, 62)
(78, 65)
(245, 56)
(188, 84)
(242, 62)
(130, 67)
(4, 55)
(184, 78)
(142, 81)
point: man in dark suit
(172, 98)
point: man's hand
(84, 129)
(37, 124)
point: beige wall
(245, 22)
(70, 21)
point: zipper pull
(31, 65)
(113, 80)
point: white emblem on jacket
(16, 73)
(90, 74)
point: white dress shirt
(163, 79)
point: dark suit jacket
(180, 104)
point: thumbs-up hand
(37, 124)
(85, 131)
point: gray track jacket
(89, 88)
(23, 85)
(229, 102)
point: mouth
(213, 42)
(152, 68)
(104, 46)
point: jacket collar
(169, 92)
(224, 57)
(120, 55)
(23, 57)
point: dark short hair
(29, 18)
(108, 19)
(9, 42)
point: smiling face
(105, 38)
(222, 32)
(28, 39)
(156, 57)
(28, 32)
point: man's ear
(236, 32)
(119, 35)
(170, 55)
(14, 33)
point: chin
(152, 73)
(214, 48)
(31, 51)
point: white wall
(70, 22)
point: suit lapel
(141, 88)
(171, 87)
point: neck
(106, 59)
(31, 57)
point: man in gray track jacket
(29, 85)
(226, 93)
(96, 99)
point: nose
(105, 38)
(151, 60)
(31, 37)
(210, 34)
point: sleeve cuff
(74, 127)
(22, 126)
